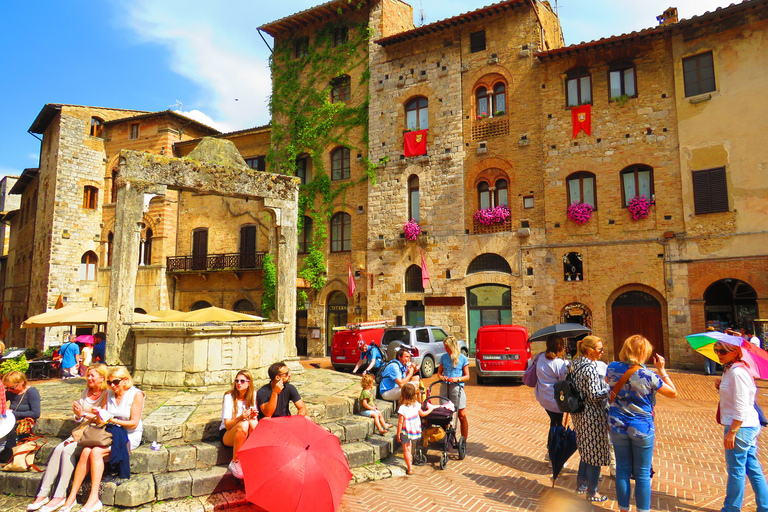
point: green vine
(270, 285)
(307, 122)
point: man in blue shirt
(369, 354)
(70, 357)
(100, 348)
(396, 375)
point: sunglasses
(242, 381)
(114, 382)
(721, 351)
(284, 374)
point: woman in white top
(124, 406)
(62, 461)
(550, 369)
(742, 426)
(237, 423)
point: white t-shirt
(228, 409)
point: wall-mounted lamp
(381, 277)
(358, 310)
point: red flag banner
(59, 302)
(582, 119)
(424, 271)
(415, 143)
(351, 281)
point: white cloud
(201, 117)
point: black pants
(555, 419)
(10, 443)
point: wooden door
(645, 319)
(200, 249)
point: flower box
(639, 207)
(411, 230)
(580, 213)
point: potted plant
(482, 115)
(495, 215)
(640, 206)
(499, 113)
(580, 213)
(412, 229)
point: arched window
(573, 267)
(500, 195)
(305, 237)
(114, 186)
(340, 164)
(244, 306)
(499, 99)
(304, 168)
(341, 232)
(201, 304)
(140, 310)
(145, 248)
(413, 281)
(413, 198)
(489, 262)
(110, 247)
(417, 114)
(636, 180)
(621, 80)
(483, 195)
(90, 197)
(341, 89)
(88, 266)
(97, 125)
(581, 188)
(481, 98)
(578, 87)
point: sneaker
(236, 469)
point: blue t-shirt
(68, 351)
(632, 411)
(453, 371)
(393, 371)
(373, 353)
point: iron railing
(215, 262)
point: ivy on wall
(270, 286)
(306, 122)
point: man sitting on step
(396, 375)
(273, 398)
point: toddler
(368, 407)
(409, 423)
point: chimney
(668, 17)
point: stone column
(286, 219)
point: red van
(344, 351)
(501, 351)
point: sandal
(597, 499)
(409, 473)
(581, 490)
(382, 432)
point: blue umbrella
(561, 445)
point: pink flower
(640, 207)
(580, 213)
(496, 215)
(412, 229)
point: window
(88, 266)
(489, 262)
(636, 181)
(710, 191)
(340, 36)
(477, 41)
(114, 186)
(301, 47)
(145, 248)
(573, 268)
(483, 195)
(341, 90)
(481, 97)
(699, 74)
(413, 198)
(438, 335)
(259, 163)
(413, 281)
(200, 249)
(528, 202)
(581, 188)
(578, 87)
(244, 306)
(500, 194)
(305, 237)
(135, 131)
(248, 246)
(341, 232)
(303, 169)
(110, 246)
(201, 304)
(90, 197)
(97, 125)
(417, 114)
(340, 164)
(622, 80)
(499, 99)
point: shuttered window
(710, 191)
(477, 41)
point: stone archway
(637, 312)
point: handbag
(567, 395)
(93, 436)
(24, 456)
(530, 378)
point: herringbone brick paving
(505, 470)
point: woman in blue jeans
(630, 418)
(742, 426)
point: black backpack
(380, 375)
(567, 395)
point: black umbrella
(561, 330)
(561, 445)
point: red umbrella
(290, 463)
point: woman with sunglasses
(741, 424)
(24, 402)
(124, 406)
(238, 417)
(61, 464)
(591, 424)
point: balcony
(215, 262)
(482, 229)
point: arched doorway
(487, 304)
(575, 313)
(201, 304)
(730, 303)
(336, 315)
(637, 312)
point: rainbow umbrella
(756, 358)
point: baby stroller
(438, 428)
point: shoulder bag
(24, 455)
(530, 378)
(623, 380)
(94, 435)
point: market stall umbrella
(80, 316)
(85, 338)
(49, 318)
(291, 464)
(561, 444)
(162, 313)
(211, 314)
(560, 330)
(756, 358)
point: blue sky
(207, 56)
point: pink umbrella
(85, 338)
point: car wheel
(481, 380)
(427, 367)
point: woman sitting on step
(238, 417)
(123, 409)
(61, 465)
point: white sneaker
(236, 469)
